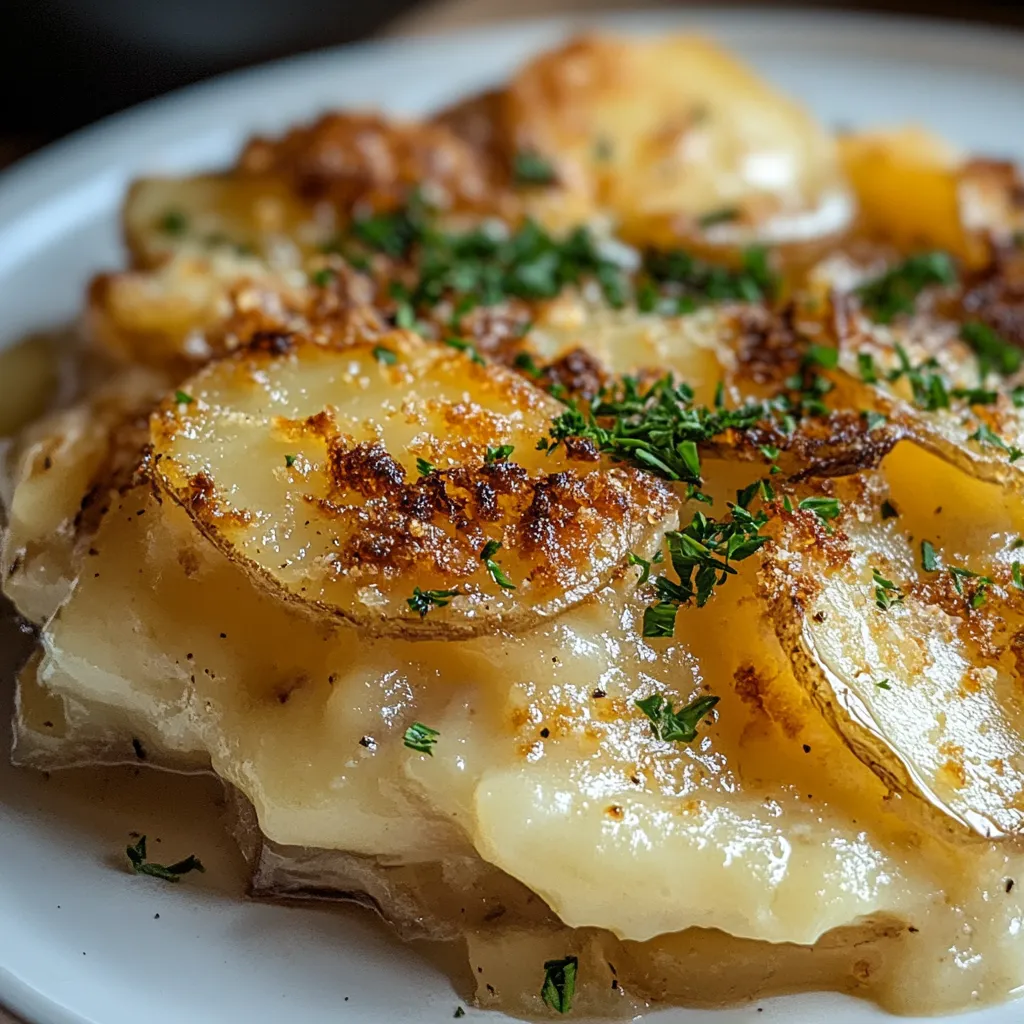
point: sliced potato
(677, 139)
(304, 466)
(61, 470)
(913, 653)
(982, 439)
(254, 216)
(915, 190)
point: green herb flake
(322, 277)
(888, 510)
(873, 419)
(559, 986)
(675, 726)
(723, 215)
(886, 592)
(183, 398)
(384, 355)
(883, 684)
(866, 366)
(530, 168)
(1018, 581)
(895, 292)
(423, 600)
(459, 1012)
(170, 873)
(498, 454)
(174, 223)
(824, 508)
(491, 548)
(929, 561)
(421, 738)
(464, 346)
(660, 619)
(289, 460)
(993, 351)
(645, 566)
(986, 436)
(425, 468)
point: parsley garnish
(691, 281)
(993, 351)
(657, 429)
(866, 365)
(896, 291)
(928, 560)
(498, 454)
(873, 419)
(171, 873)
(929, 389)
(559, 986)
(322, 277)
(981, 583)
(525, 362)
(723, 215)
(183, 398)
(464, 346)
(289, 460)
(888, 510)
(491, 548)
(174, 222)
(645, 566)
(421, 738)
(530, 168)
(423, 600)
(384, 355)
(984, 435)
(883, 684)
(459, 1012)
(679, 726)
(1018, 582)
(824, 508)
(886, 592)
(425, 468)
(701, 556)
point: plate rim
(30, 188)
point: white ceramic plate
(81, 940)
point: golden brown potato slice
(924, 377)
(60, 470)
(677, 139)
(917, 191)
(371, 483)
(905, 625)
(249, 216)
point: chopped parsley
(986, 436)
(929, 561)
(723, 215)
(1018, 581)
(702, 557)
(423, 600)
(183, 398)
(491, 548)
(174, 222)
(525, 362)
(464, 346)
(657, 429)
(459, 1012)
(675, 726)
(824, 508)
(425, 468)
(289, 460)
(888, 510)
(530, 168)
(691, 281)
(883, 684)
(559, 986)
(873, 419)
(645, 565)
(993, 351)
(981, 584)
(929, 388)
(170, 873)
(322, 277)
(866, 366)
(498, 454)
(384, 355)
(895, 292)
(886, 592)
(421, 738)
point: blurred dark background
(65, 63)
